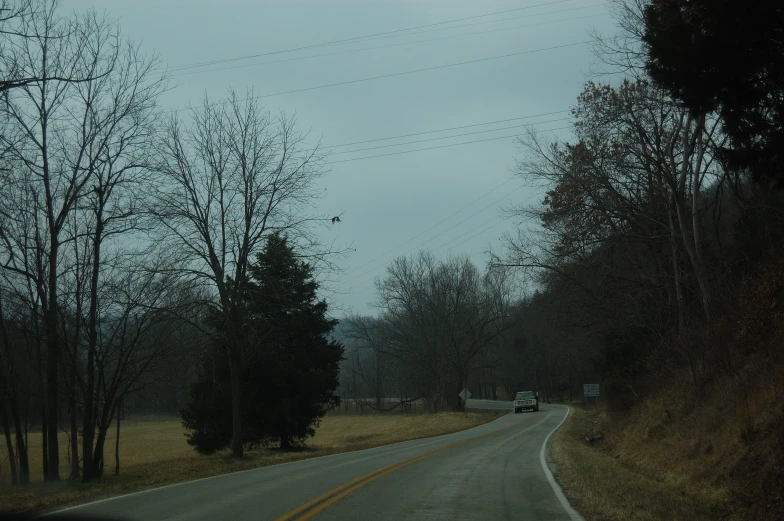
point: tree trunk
(9, 402)
(21, 450)
(676, 269)
(406, 406)
(691, 228)
(52, 360)
(117, 443)
(379, 387)
(52, 398)
(21, 444)
(695, 257)
(697, 221)
(9, 443)
(98, 459)
(74, 426)
(42, 396)
(44, 442)
(89, 417)
(236, 405)
(73, 384)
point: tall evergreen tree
(721, 55)
(291, 373)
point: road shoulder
(566, 497)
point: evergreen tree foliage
(290, 365)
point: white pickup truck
(526, 401)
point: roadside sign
(590, 390)
(465, 394)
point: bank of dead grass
(155, 453)
(643, 470)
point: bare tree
(13, 17)
(370, 362)
(41, 148)
(439, 318)
(117, 144)
(636, 175)
(136, 333)
(230, 177)
(9, 401)
(20, 21)
(411, 331)
(624, 52)
(77, 143)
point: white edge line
(261, 468)
(554, 484)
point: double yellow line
(319, 504)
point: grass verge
(154, 454)
(605, 480)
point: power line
(426, 69)
(364, 282)
(448, 129)
(440, 234)
(506, 19)
(453, 136)
(500, 219)
(478, 234)
(435, 225)
(448, 217)
(356, 38)
(436, 147)
(178, 72)
(403, 73)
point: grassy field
(631, 476)
(155, 453)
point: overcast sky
(390, 203)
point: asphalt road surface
(489, 404)
(496, 471)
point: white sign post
(590, 390)
(465, 394)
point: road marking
(299, 462)
(573, 515)
(320, 503)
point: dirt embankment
(681, 456)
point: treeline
(126, 231)
(653, 253)
(443, 325)
(438, 323)
(663, 223)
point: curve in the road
(320, 503)
(494, 471)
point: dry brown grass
(682, 454)
(155, 453)
(643, 471)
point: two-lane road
(496, 471)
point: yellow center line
(319, 504)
